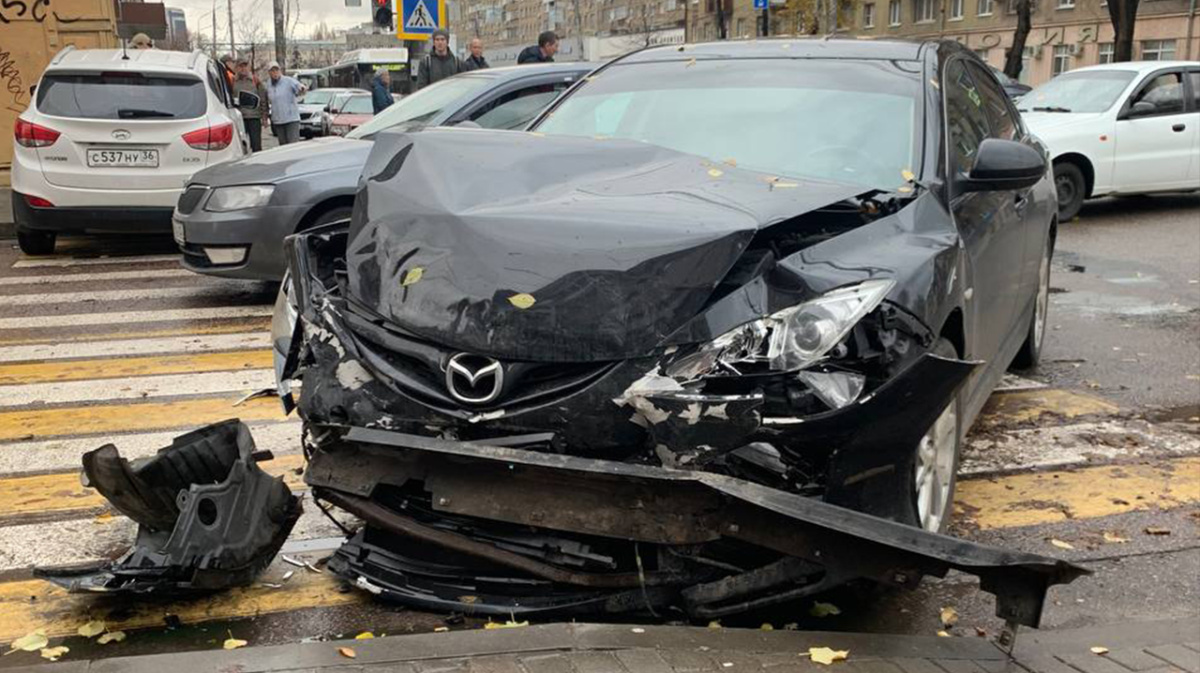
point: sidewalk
(1154, 647)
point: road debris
(30, 642)
(54, 653)
(824, 610)
(1157, 530)
(1060, 544)
(949, 617)
(347, 652)
(92, 628)
(232, 643)
(111, 637)
(1099, 650)
(826, 656)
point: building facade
(1066, 34)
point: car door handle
(1179, 128)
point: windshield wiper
(135, 113)
(1051, 108)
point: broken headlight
(791, 339)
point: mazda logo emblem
(474, 379)
(121, 134)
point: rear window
(121, 96)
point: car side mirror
(1003, 165)
(247, 99)
(1142, 108)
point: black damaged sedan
(706, 339)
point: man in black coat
(543, 51)
(475, 61)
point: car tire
(1071, 189)
(1031, 350)
(932, 472)
(36, 242)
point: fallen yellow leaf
(943, 634)
(522, 300)
(510, 624)
(824, 610)
(766, 627)
(365, 635)
(714, 624)
(92, 628)
(949, 616)
(412, 276)
(103, 518)
(118, 636)
(234, 643)
(53, 653)
(441, 629)
(1060, 544)
(1113, 537)
(1099, 650)
(347, 652)
(30, 642)
(826, 656)
(715, 172)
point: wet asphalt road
(1125, 320)
(1125, 328)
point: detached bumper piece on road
(496, 530)
(208, 516)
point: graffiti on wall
(13, 93)
(20, 9)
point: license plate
(177, 229)
(123, 158)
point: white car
(111, 137)
(1119, 128)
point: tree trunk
(1123, 14)
(1014, 61)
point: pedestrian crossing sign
(419, 18)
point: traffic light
(383, 14)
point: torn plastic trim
(208, 516)
(678, 507)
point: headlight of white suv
(226, 199)
(792, 339)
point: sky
(312, 12)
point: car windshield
(1081, 91)
(844, 120)
(121, 96)
(319, 97)
(357, 105)
(415, 110)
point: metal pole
(232, 48)
(280, 33)
(1187, 46)
(214, 27)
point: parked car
(314, 110)
(351, 113)
(1119, 129)
(111, 137)
(654, 353)
(1012, 87)
(231, 221)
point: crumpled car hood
(278, 164)
(531, 247)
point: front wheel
(1071, 189)
(1031, 350)
(36, 242)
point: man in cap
(543, 51)
(475, 61)
(253, 117)
(439, 64)
(283, 94)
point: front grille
(190, 199)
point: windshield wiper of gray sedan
(135, 113)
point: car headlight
(225, 199)
(790, 340)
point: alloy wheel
(935, 469)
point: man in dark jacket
(543, 51)
(441, 63)
(475, 61)
(381, 91)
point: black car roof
(788, 47)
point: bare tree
(641, 27)
(1015, 60)
(1123, 14)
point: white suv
(112, 136)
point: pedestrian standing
(381, 91)
(229, 70)
(253, 117)
(543, 51)
(475, 61)
(283, 95)
(439, 64)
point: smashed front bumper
(208, 516)
(497, 530)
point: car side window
(1000, 115)
(1164, 92)
(219, 84)
(1194, 75)
(515, 109)
(966, 120)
